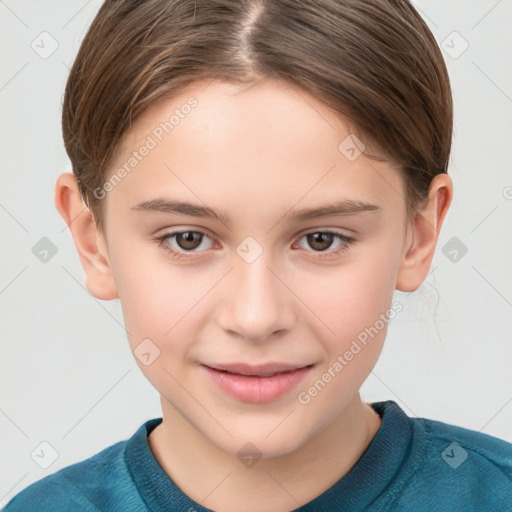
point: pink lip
(256, 384)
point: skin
(256, 152)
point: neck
(217, 479)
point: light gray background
(67, 374)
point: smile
(256, 384)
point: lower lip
(256, 389)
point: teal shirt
(412, 464)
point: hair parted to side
(374, 62)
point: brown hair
(374, 62)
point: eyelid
(333, 231)
(170, 234)
(202, 231)
(345, 242)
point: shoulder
(463, 468)
(485, 448)
(97, 483)
(459, 447)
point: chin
(266, 442)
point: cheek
(351, 297)
(354, 302)
(151, 300)
(157, 308)
(163, 303)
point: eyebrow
(346, 207)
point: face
(244, 282)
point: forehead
(268, 140)
(252, 118)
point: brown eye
(188, 240)
(325, 244)
(182, 244)
(320, 241)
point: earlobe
(89, 242)
(425, 227)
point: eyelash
(347, 241)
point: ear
(422, 234)
(90, 243)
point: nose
(256, 304)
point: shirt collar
(368, 479)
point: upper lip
(262, 370)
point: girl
(259, 177)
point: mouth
(266, 370)
(256, 384)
